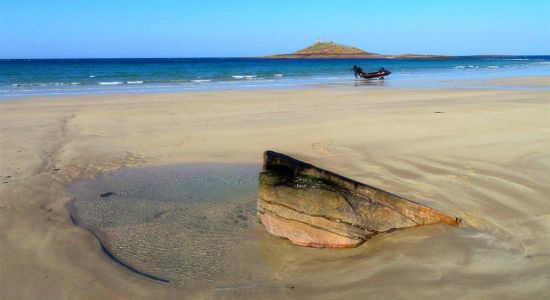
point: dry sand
(483, 155)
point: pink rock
(317, 208)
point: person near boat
(358, 71)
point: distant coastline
(399, 56)
(319, 50)
(368, 56)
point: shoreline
(539, 82)
(362, 134)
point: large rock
(317, 208)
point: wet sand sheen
(195, 225)
(483, 158)
(173, 223)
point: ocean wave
(201, 80)
(109, 82)
(45, 84)
(244, 76)
(91, 76)
(478, 67)
(35, 84)
(134, 82)
(278, 75)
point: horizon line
(270, 57)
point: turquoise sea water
(21, 78)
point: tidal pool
(170, 223)
(195, 226)
(188, 224)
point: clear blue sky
(201, 28)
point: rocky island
(317, 208)
(321, 49)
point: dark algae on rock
(317, 208)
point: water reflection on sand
(195, 225)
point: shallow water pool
(195, 226)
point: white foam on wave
(134, 82)
(278, 75)
(201, 80)
(109, 82)
(45, 84)
(244, 76)
(478, 67)
(471, 67)
(91, 76)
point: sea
(21, 78)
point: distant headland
(321, 49)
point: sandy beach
(482, 155)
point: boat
(379, 74)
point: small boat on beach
(379, 74)
(372, 75)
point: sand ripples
(190, 241)
(177, 225)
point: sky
(240, 28)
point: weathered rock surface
(317, 208)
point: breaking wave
(110, 83)
(244, 76)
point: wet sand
(482, 155)
(538, 81)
